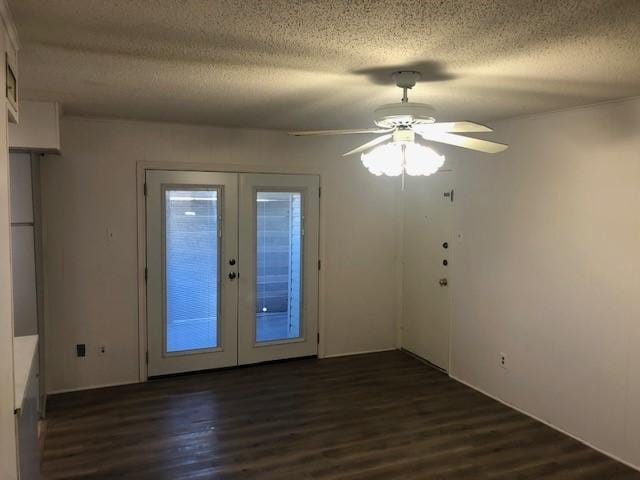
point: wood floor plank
(377, 416)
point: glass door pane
(192, 257)
(191, 266)
(278, 265)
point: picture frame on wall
(12, 85)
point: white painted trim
(362, 352)
(9, 24)
(120, 384)
(90, 387)
(453, 377)
(528, 414)
(142, 286)
(425, 361)
(142, 166)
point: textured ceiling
(288, 64)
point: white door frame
(141, 167)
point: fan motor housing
(403, 114)
(404, 135)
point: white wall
(548, 272)
(91, 289)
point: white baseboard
(361, 352)
(91, 387)
(117, 384)
(528, 414)
(478, 389)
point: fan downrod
(406, 80)
(404, 113)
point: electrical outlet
(502, 360)
(102, 350)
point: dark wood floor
(378, 416)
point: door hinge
(145, 189)
(449, 195)
(146, 357)
(146, 273)
(319, 264)
(318, 338)
(319, 191)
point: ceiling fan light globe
(384, 160)
(389, 159)
(421, 160)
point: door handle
(232, 276)
(443, 282)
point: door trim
(141, 167)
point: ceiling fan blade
(454, 127)
(340, 132)
(371, 144)
(464, 142)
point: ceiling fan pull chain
(404, 163)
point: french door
(232, 272)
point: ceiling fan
(396, 151)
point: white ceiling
(287, 64)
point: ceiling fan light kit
(396, 152)
(395, 158)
